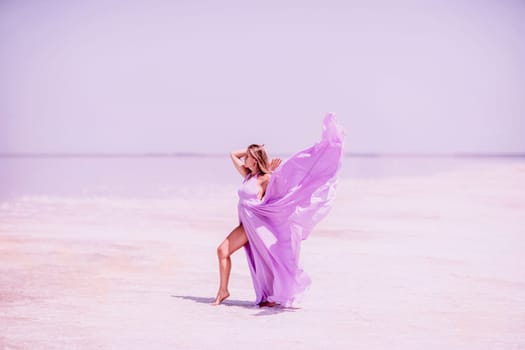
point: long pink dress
(298, 196)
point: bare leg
(235, 240)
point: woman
(279, 207)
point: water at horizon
(162, 176)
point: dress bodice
(249, 190)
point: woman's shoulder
(264, 177)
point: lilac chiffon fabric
(298, 196)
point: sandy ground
(428, 262)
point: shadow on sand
(239, 303)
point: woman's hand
(275, 163)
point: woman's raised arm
(238, 163)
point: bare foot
(267, 303)
(221, 296)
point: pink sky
(173, 76)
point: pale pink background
(206, 77)
(120, 252)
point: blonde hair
(261, 157)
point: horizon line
(213, 155)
